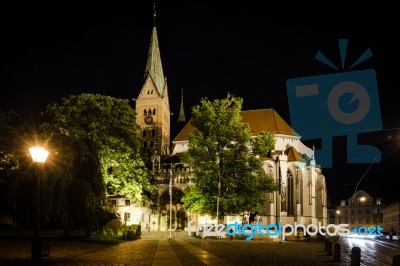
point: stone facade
(391, 218)
(302, 195)
(360, 210)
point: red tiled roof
(293, 155)
(267, 120)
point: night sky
(53, 50)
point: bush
(113, 226)
(130, 235)
(138, 230)
(134, 233)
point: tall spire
(154, 67)
(181, 117)
(154, 13)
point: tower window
(151, 144)
(148, 92)
(149, 112)
(153, 132)
(145, 112)
(144, 133)
(145, 145)
(151, 91)
(154, 111)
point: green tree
(12, 130)
(95, 140)
(222, 148)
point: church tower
(152, 104)
(181, 116)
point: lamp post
(218, 193)
(337, 216)
(219, 162)
(153, 212)
(170, 202)
(39, 156)
(125, 209)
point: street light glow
(38, 154)
(362, 199)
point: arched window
(153, 132)
(151, 144)
(145, 112)
(149, 112)
(154, 111)
(144, 133)
(299, 186)
(290, 194)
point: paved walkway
(172, 252)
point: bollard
(336, 252)
(396, 260)
(355, 256)
(329, 251)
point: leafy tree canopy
(101, 131)
(222, 148)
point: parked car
(394, 237)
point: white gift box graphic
(344, 103)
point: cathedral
(302, 196)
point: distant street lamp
(153, 212)
(218, 194)
(219, 162)
(170, 202)
(125, 209)
(337, 217)
(39, 156)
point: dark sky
(250, 49)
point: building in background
(360, 210)
(391, 218)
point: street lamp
(39, 156)
(170, 202)
(337, 216)
(153, 212)
(219, 187)
(125, 209)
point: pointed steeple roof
(181, 117)
(154, 67)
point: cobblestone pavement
(185, 257)
(141, 252)
(240, 252)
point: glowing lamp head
(362, 199)
(38, 154)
